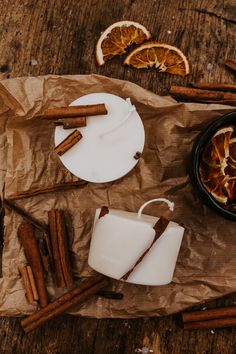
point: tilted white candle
(120, 238)
(117, 243)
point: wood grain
(59, 37)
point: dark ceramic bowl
(202, 140)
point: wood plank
(59, 37)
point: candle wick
(119, 124)
(167, 201)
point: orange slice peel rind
(162, 56)
(118, 37)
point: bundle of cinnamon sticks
(53, 254)
(43, 255)
(206, 93)
(220, 93)
(28, 240)
(33, 273)
(212, 318)
(72, 117)
(34, 277)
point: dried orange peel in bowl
(218, 166)
(118, 37)
(162, 56)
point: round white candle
(106, 151)
(120, 238)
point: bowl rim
(198, 146)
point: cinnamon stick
(214, 86)
(69, 123)
(68, 142)
(60, 281)
(26, 216)
(159, 228)
(81, 293)
(205, 96)
(28, 290)
(104, 210)
(27, 238)
(216, 323)
(75, 111)
(84, 285)
(32, 283)
(54, 188)
(58, 233)
(231, 64)
(210, 314)
(63, 248)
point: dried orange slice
(119, 36)
(164, 57)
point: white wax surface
(104, 154)
(119, 239)
(117, 243)
(159, 265)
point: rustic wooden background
(58, 37)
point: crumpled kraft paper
(206, 266)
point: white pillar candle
(113, 252)
(120, 238)
(109, 143)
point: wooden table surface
(58, 37)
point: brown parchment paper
(206, 266)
